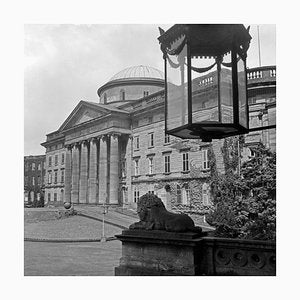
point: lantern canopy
(205, 80)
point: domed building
(116, 150)
(131, 84)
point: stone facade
(34, 174)
(116, 153)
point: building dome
(138, 72)
(131, 84)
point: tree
(245, 203)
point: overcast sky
(68, 63)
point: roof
(138, 72)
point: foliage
(245, 204)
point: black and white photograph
(155, 150)
(142, 157)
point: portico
(93, 134)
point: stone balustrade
(261, 74)
(157, 252)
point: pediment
(82, 113)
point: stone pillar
(83, 186)
(92, 182)
(114, 170)
(129, 154)
(75, 174)
(102, 179)
(68, 174)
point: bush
(245, 204)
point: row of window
(150, 140)
(33, 181)
(56, 160)
(55, 179)
(167, 163)
(55, 196)
(122, 95)
(183, 195)
(34, 166)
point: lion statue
(154, 216)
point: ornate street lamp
(205, 80)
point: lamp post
(205, 80)
(104, 211)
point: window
(252, 153)
(205, 160)
(49, 197)
(185, 162)
(26, 180)
(62, 176)
(136, 167)
(56, 160)
(62, 158)
(150, 120)
(123, 168)
(39, 179)
(167, 164)
(33, 166)
(33, 181)
(146, 93)
(39, 167)
(26, 166)
(136, 195)
(186, 194)
(136, 142)
(151, 139)
(150, 161)
(205, 194)
(55, 176)
(49, 177)
(122, 95)
(55, 197)
(50, 161)
(167, 139)
(178, 194)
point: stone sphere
(67, 205)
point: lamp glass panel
(241, 71)
(226, 95)
(177, 89)
(204, 90)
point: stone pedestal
(158, 253)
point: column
(68, 174)
(129, 151)
(102, 179)
(75, 174)
(114, 170)
(83, 187)
(92, 182)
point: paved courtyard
(72, 258)
(69, 259)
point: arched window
(122, 95)
(104, 98)
(205, 194)
(178, 193)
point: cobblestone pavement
(70, 259)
